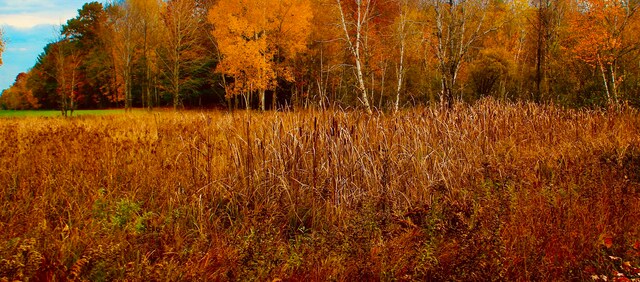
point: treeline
(366, 53)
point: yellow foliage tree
(258, 41)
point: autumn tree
(147, 18)
(354, 23)
(407, 38)
(41, 79)
(457, 26)
(373, 53)
(370, 45)
(290, 34)
(402, 26)
(496, 63)
(122, 49)
(182, 51)
(258, 41)
(91, 34)
(212, 51)
(19, 96)
(601, 29)
(545, 23)
(136, 37)
(239, 28)
(323, 60)
(489, 72)
(508, 47)
(67, 61)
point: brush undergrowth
(492, 191)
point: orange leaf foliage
(256, 37)
(598, 27)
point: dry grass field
(493, 191)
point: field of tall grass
(492, 191)
(53, 113)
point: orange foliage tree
(19, 96)
(258, 41)
(601, 29)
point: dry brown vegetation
(492, 191)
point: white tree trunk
(355, 47)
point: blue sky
(28, 26)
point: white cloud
(13, 6)
(22, 49)
(29, 13)
(28, 26)
(34, 19)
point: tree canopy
(362, 53)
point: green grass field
(56, 113)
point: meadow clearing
(492, 191)
(56, 113)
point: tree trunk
(274, 97)
(604, 80)
(355, 48)
(614, 86)
(401, 32)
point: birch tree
(458, 24)
(354, 28)
(601, 32)
(407, 36)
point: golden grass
(492, 191)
